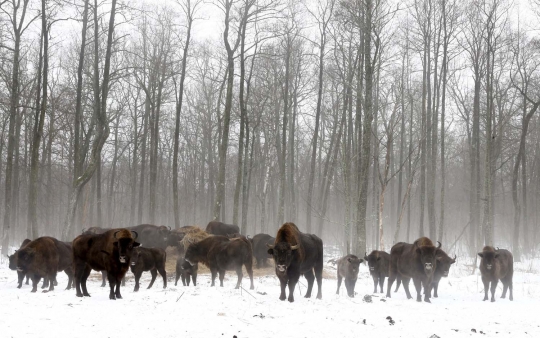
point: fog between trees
(367, 122)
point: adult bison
(496, 265)
(296, 253)
(444, 262)
(417, 261)
(220, 254)
(43, 258)
(152, 236)
(148, 259)
(220, 228)
(13, 265)
(348, 269)
(378, 263)
(109, 251)
(260, 250)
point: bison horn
(455, 256)
(270, 246)
(136, 234)
(439, 246)
(116, 233)
(169, 228)
(294, 247)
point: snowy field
(205, 311)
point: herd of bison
(221, 248)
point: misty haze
(261, 168)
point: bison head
(283, 255)
(13, 261)
(192, 254)
(488, 258)
(24, 258)
(352, 266)
(428, 258)
(372, 260)
(164, 232)
(135, 256)
(444, 263)
(124, 245)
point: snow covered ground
(205, 311)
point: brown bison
(260, 250)
(43, 258)
(348, 269)
(495, 265)
(148, 259)
(219, 228)
(417, 261)
(220, 254)
(109, 251)
(296, 253)
(185, 270)
(379, 264)
(13, 265)
(152, 236)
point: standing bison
(185, 270)
(43, 258)
(220, 254)
(444, 262)
(379, 264)
(260, 250)
(220, 228)
(348, 269)
(148, 259)
(13, 265)
(152, 236)
(109, 251)
(495, 265)
(296, 253)
(417, 261)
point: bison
(220, 254)
(496, 265)
(348, 269)
(185, 270)
(109, 251)
(378, 263)
(260, 250)
(148, 259)
(152, 236)
(43, 258)
(417, 261)
(296, 253)
(13, 264)
(219, 228)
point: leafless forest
(367, 122)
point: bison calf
(148, 259)
(348, 269)
(185, 270)
(378, 263)
(496, 265)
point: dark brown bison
(148, 259)
(185, 270)
(109, 251)
(496, 265)
(219, 228)
(220, 254)
(43, 258)
(296, 253)
(379, 264)
(13, 265)
(152, 236)
(347, 267)
(260, 250)
(417, 261)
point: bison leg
(391, 280)
(381, 283)
(194, 278)
(178, 273)
(45, 283)
(283, 285)
(240, 276)
(375, 280)
(137, 274)
(493, 289)
(339, 280)
(112, 285)
(154, 275)
(249, 268)
(117, 292)
(184, 277)
(69, 273)
(27, 279)
(20, 278)
(35, 281)
(103, 279)
(213, 272)
(418, 286)
(222, 276)
(486, 287)
(310, 279)
(86, 273)
(406, 282)
(292, 285)
(163, 274)
(435, 288)
(318, 275)
(398, 283)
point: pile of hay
(193, 235)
